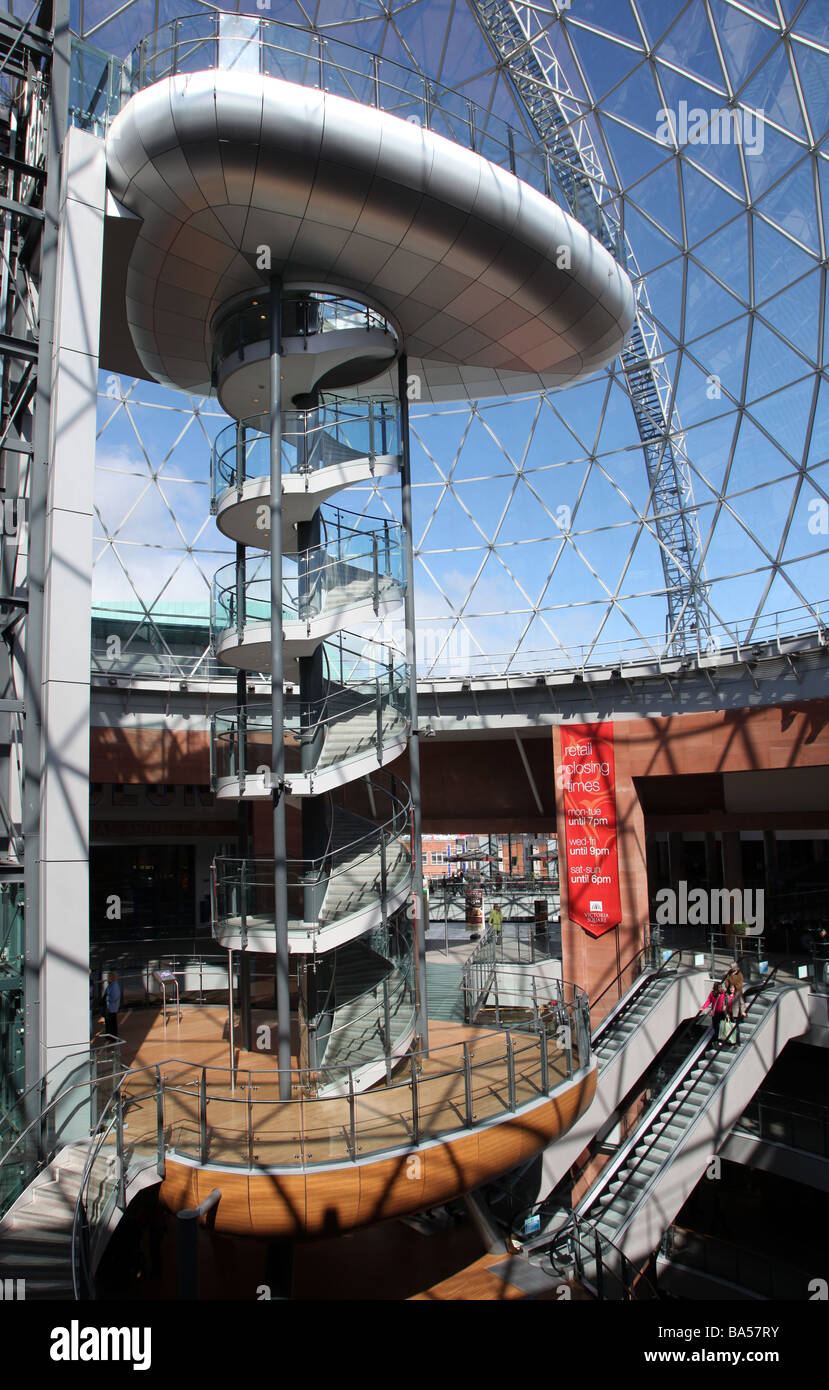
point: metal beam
(575, 165)
(39, 485)
(411, 659)
(528, 770)
(282, 959)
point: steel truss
(33, 103)
(544, 92)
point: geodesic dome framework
(696, 135)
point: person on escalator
(716, 1003)
(735, 977)
(729, 1031)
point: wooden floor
(200, 1035)
(247, 1123)
(475, 1284)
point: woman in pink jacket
(720, 1009)
(716, 1001)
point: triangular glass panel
(772, 92)
(610, 66)
(744, 42)
(791, 204)
(786, 415)
(772, 363)
(689, 45)
(777, 262)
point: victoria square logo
(696, 126)
(711, 907)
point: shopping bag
(728, 1031)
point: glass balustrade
(779, 1119)
(374, 1027)
(356, 566)
(766, 1276)
(240, 328)
(360, 869)
(210, 1114)
(100, 85)
(338, 431)
(347, 723)
(236, 1119)
(61, 1108)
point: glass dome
(677, 501)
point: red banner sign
(588, 779)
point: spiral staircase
(346, 705)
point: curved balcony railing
(211, 1115)
(358, 566)
(338, 431)
(238, 328)
(236, 1120)
(512, 995)
(62, 1107)
(367, 865)
(349, 722)
(249, 45)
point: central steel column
(282, 959)
(411, 658)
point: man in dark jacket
(112, 1003)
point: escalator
(644, 1185)
(625, 1042)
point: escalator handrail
(665, 1095)
(649, 1118)
(646, 977)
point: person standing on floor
(112, 1004)
(495, 920)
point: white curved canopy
(495, 289)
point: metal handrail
(635, 1136)
(232, 715)
(198, 1088)
(387, 85)
(332, 312)
(334, 414)
(705, 1242)
(485, 956)
(397, 970)
(308, 593)
(40, 1086)
(667, 1092)
(579, 1237)
(640, 957)
(646, 976)
(504, 665)
(391, 1008)
(270, 1075)
(39, 1126)
(397, 822)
